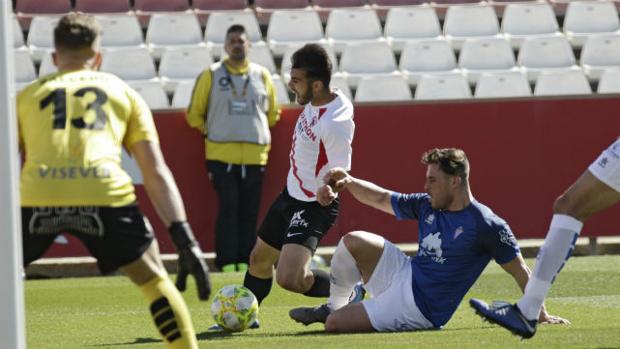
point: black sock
(320, 287)
(260, 287)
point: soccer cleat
(255, 325)
(506, 315)
(358, 293)
(310, 315)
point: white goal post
(12, 330)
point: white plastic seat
(378, 59)
(531, 19)
(600, 53)
(506, 84)
(152, 92)
(182, 95)
(219, 22)
(352, 25)
(427, 57)
(260, 53)
(469, 21)
(444, 86)
(281, 35)
(567, 82)
(545, 54)
(485, 55)
(383, 89)
(586, 18)
(183, 63)
(41, 35)
(173, 29)
(285, 66)
(24, 66)
(340, 82)
(411, 23)
(120, 30)
(609, 82)
(47, 65)
(18, 35)
(129, 63)
(281, 90)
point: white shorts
(607, 167)
(392, 306)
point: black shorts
(291, 221)
(115, 236)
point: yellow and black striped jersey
(72, 126)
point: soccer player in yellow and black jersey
(72, 125)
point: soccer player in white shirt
(296, 222)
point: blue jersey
(454, 249)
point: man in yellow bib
(72, 127)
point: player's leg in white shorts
(606, 167)
(392, 306)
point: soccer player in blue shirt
(597, 189)
(458, 237)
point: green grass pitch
(109, 312)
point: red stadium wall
(523, 154)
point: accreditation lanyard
(232, 84)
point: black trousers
(238, 188)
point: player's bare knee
(331, 324)
(290, 282)
(565, 205)
(354, 241)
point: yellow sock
(170, 314)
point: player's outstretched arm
(365, 192)
(164, 194)
(519, 270)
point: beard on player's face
(305, 97)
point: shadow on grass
(136, 341)
(215, 335)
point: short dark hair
(235, 28)
(76, 31)
(314, 60)
(451, 161)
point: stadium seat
(546, 53)
(411, 23)
(427, 57)
(600, 53)
(378, 60)
(41, 35)
(260, 53)
(324, 7)
(47, 65)
(281, 90)
(146, 8)
(129, 63)
(182, 95)
(280, 34)
(352, 25)
(533, 19)
(27, 9)
(469, 21)
(340, 82)
(609, 82)
(502, 84)
(485, 56)
(382, 7)
(107, 6)
(173, 29)
(120, 30)
(153, 93)
(24, 67)
(285, 67)
(383, 89)
(203, 8)
(585, 18)
(265, 8)
(219, 22)
(18, 35)
(562, 82)
(183, 63)
(444, 86)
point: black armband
(182, 235)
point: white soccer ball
(234, 308)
